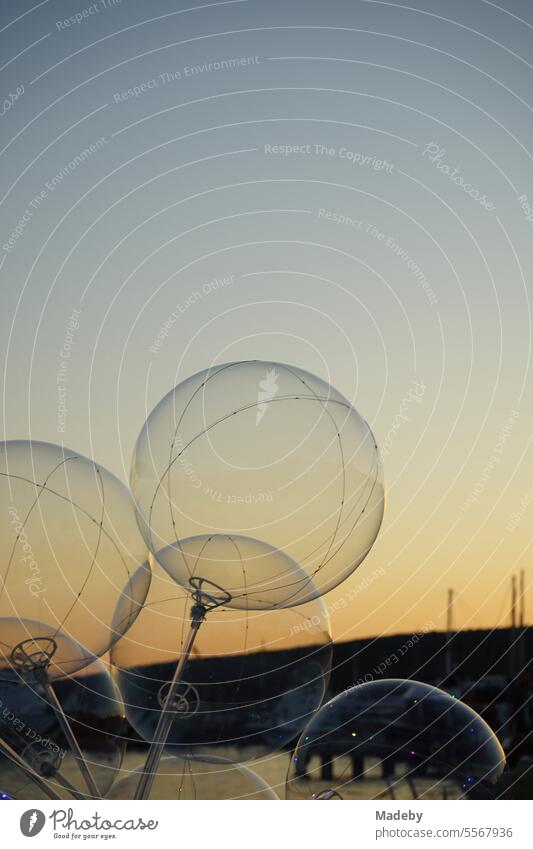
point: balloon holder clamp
(46, 762)
(185, 699)
(34, 655)
(207, 595)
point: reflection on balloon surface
(69, 544)
(183, 779)
(395, 739)
(252, 682)
(267, 451)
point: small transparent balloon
(183, 779)
(253, 680)
(70, 549)
(29, 724)
(262, 450)
(395, 739)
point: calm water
(271, 769)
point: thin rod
(412, 787)
(73, 744)
(449, 627)
(522, 617)
(30, 773)
(66, 785)
(166, 716)
(522, 623)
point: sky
(346, 187)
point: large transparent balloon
(30, 726)
(395, 739)
(267, 451)
(183, 779)
(253, 680)
(70, 550)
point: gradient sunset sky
(345, 186)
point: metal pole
(73, 744)
(522, 617)
(66, 785)
(513, 602)
(521, 622)
(166, 716)
(449, 628)
(514, 658)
